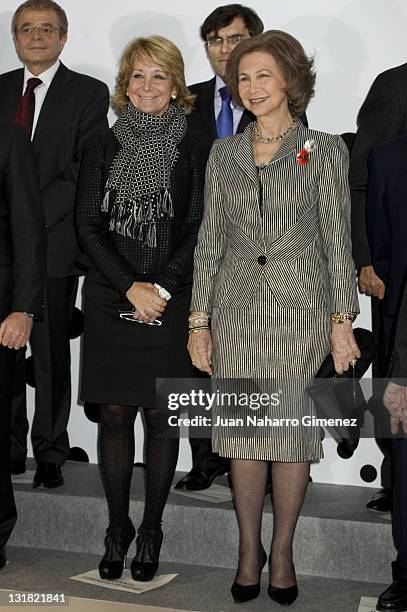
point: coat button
(262, 260)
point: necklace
(266, 140)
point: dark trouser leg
(204, 457)
(379, 367)
(202, 454)
(162, 446)
(50, 346)
(116, 458)
(8, 513)
(399, 517)
(19, 422)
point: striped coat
(273, 260)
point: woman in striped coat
(274, 272)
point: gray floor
(202, 589)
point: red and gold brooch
(303, 155)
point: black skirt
(122, 359)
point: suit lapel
(53, 101)
(206, 103)
(245, 119)
(292, 143)
(11, 96)
(243, 155)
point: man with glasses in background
(215, 115)
(59, 109)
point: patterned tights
(116, 457)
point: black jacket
(74, 108)
(123, 260)
(382, 116)
(22, 226)
(387, 227)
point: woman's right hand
(200, 350)
(146, 301)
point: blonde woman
(138, 213)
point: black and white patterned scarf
(140, 175)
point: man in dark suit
(59, 109)
(394, 598)
(22, 279)
(386, 219)
(382, 116)
(216, 116)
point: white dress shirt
(236, 110)
(41, 91)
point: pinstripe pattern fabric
(270, 316)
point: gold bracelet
(198, 313)
(197, 330)
(341, 317)
(198, 320)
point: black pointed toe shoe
(242, 593)
(117, 542)
(284, 596)
(145, 563)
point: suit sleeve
(59, 196)
(211, 245)
(181, 262)
(27, 225)
(399, 361)
(334, 214)
(378, 121)
(377, 219)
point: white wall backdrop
(353, 40)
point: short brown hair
(42, 5)
(164, 53)
(296, 67)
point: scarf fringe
(137, 219)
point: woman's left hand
(344, 346)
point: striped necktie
(224, 121)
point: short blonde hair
(161, 51)
(296, 67)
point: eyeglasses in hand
(127, 315)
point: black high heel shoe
(117, 542)
(285, 596)
(145, 563)
(241, 592)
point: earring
(174, 95)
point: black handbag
(341, 397)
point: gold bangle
(197, 330)
(341, 317)
(198, 320)
(198, 313)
